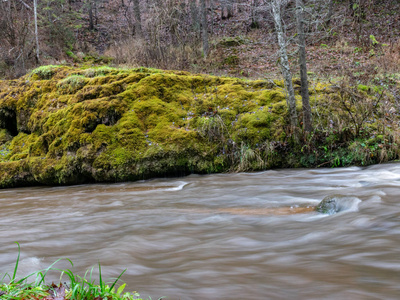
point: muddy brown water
(226, 236)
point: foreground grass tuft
(33, 286)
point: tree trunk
(96, 11)
(204, 27)
(138, 18)
(307, 123)
(284, 61)
(91, 23)
(36, 30)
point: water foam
(179, 187)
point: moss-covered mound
(64, 125)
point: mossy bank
(65, 125)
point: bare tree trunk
(96, 12)
(284, 61)
(36, 30)
(138, 19)
(307, 123)
(91, 23)
(204, 27)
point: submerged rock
(337, 203)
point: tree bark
(138, 18)
(91, 23)
(284, 61)
(204, 27)
(307, 122)
(36, 30)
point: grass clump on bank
(64, 125)
(78, 288)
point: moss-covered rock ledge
(64, 125)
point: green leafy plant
(79, 288)
(373, 40)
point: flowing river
(226, 236)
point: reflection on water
(240, 236)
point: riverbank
(70, 125)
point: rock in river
(337, 203)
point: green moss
(231, 41)
(44, 72)
(72, 55)
(4, 152)
(279, 108)
(254, 128)
(5, 136)
(102, 71)
(268, 97)
(71, 84)
(262, 84)
(22, 145)
(14, 174)
(63, 125)
(363, 87)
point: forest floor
(357, 49)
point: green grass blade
(16, 264)
(51, 268)
(100, 279)
(116, 280)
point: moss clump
(72, 83)
(63, 125)
(44, 72)
(5, 136)
(231, 41)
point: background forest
(357, 38)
